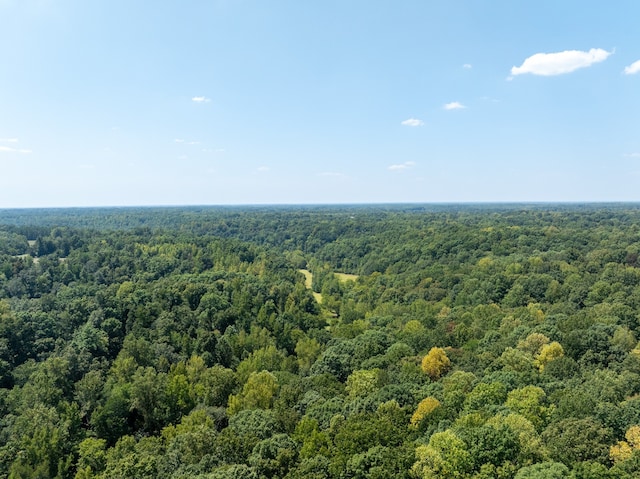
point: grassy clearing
(308, 280)
(22, 256)
(308, 277)
(342, 277)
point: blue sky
(260, 102)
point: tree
(575, 440)
(381, 462)
(548, 353)
(92, 456)
(529, 402)
(307, 350)
(435, 363)
(148, 398)
(426, 409)
(446, 456)
(543, 470)
(363, 382)
(233, 471)
(623, 450)
(531, 448)
(257, 393)
(42, 439)
(485, 395)
(273, 457)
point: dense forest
(406, 341)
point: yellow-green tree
(624, 449)
(257, 393)
(435, 363)
(307, 351)
(548, 353)
(529, 402)
(532, 343)
(363, 382)
(425, 409)
(446, 456)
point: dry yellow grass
(308, 280)
(342, 277)
(308, 277)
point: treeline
(473, 343)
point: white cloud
(403, 166)
(467, 66)
(178, 140)
(8, 149)
(262, 169)
(193, 143)
(632, 155)
(633, 68)
(200, 99)
(8, 140)
(412, 122)
(454, 105)
(548, 64)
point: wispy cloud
(178, 140)
(412, 122)
(454, 105)
(402, 166)
(8, 149)
(633, 68)
(263, 169)
(200, 99)
(8, 140)
(548, 64)
(467, 66)
(632, 155)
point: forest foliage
(470, 342)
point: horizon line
(346, 204)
